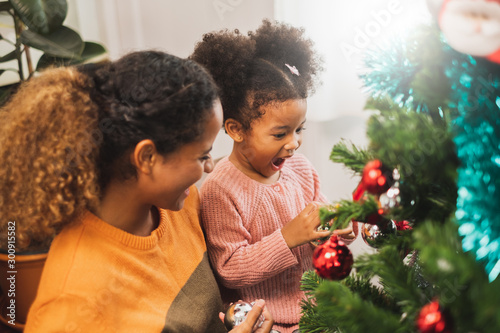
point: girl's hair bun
(228, 56)
(254, 70)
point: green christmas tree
(433, 196)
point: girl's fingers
(314, 220)
(311, 208)
(321, 234)
(345, 231)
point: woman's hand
(252, 318)
(303, 228)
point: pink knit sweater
(243, 220)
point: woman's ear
(234, 129)
(144, 156)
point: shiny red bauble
(432, 319)
(376, 179)
(332, 260)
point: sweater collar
(129, 240)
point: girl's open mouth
(277, 163)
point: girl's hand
(252, 317)
(303, 228)
(346, 233)
(349, 234)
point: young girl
(110, 158)
(260, 205)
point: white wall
(169, 25)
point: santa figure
(470, 26)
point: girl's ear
(144, 156)
(234, 129)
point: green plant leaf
(8, 57)
(41, 16)
(63, 43)
(90, 51)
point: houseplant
(38, 24)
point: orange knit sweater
(98, 278)
(243, 220)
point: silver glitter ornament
(237, 313)
(391, 198)
(375, 235)
(322, 240)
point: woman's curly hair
(47, 156)
(149, 95)
(251, 71)
(66, 134)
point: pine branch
(340, 307)
(345, 210)
(399, 280)
(365, 289)
(460, 283)
(356, 283)
(310, 320)
(310, 282)
(425, 157)
(411, 92)
(352, 157)
(383, 103)
(423, 153)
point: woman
(106, 157)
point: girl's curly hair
(47, 156)
(251, 71)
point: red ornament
(403, 225)
(376, 179)
(375, 218)
(333, 260)
(432, 319)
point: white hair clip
(293, 69)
